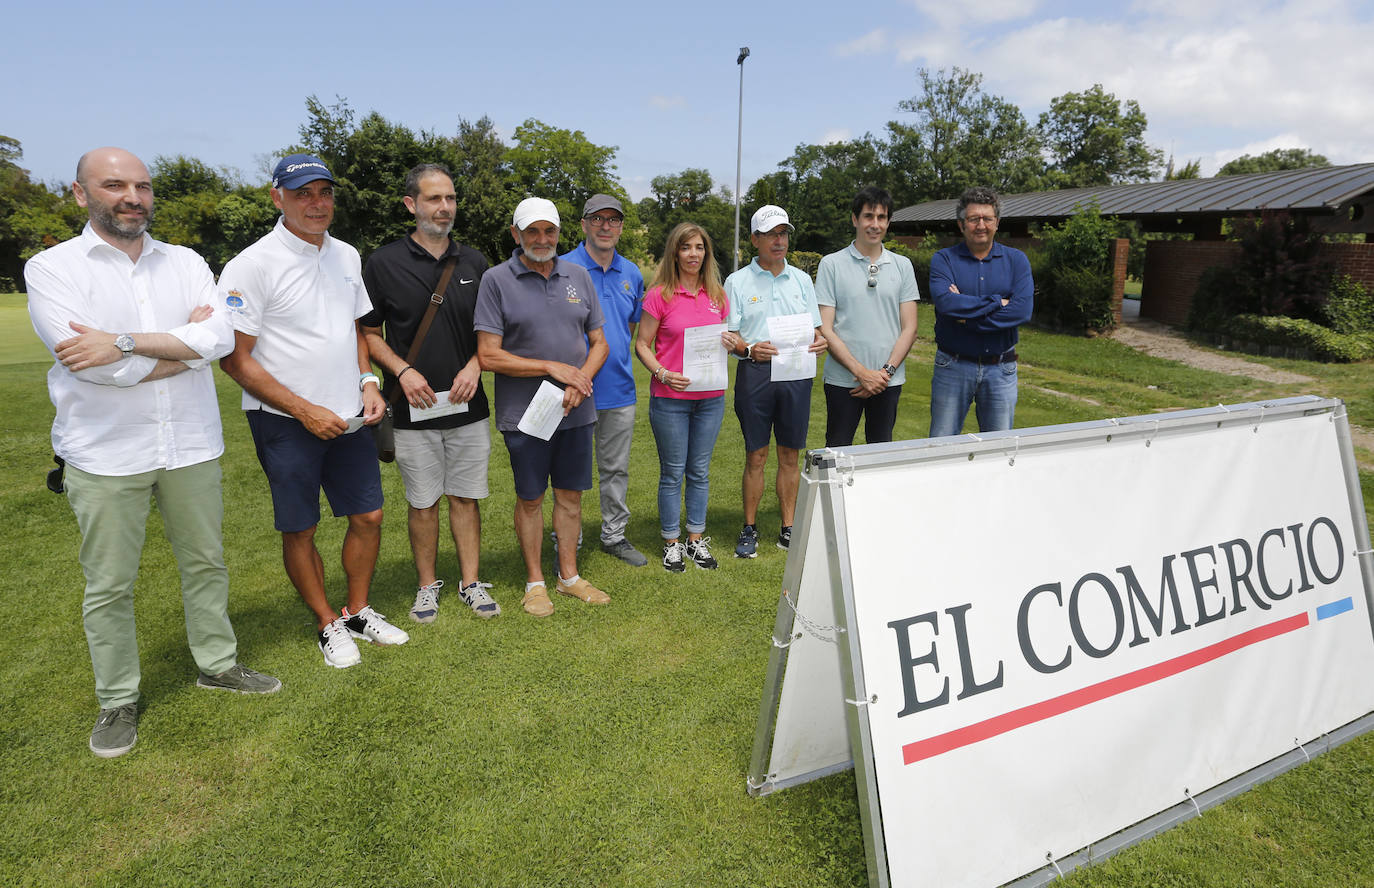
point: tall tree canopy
(1094, 139)
(1273, 161)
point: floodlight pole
(739, 149)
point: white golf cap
(768, 217)
(536, 209)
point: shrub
(1298, 337)
(806, 261)
(1349, 307)
(920, 259)
(1218, 299)
(1074, 273)
(1281, 269)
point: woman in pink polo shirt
(686, 293)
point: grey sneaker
(241, 680)
(426, 606)
(785, 538)
(476, 597)
(115, 731)
(626, 552)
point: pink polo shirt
(674, 316)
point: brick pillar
(1121, 251)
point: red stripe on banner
(1009, 721)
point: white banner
(1062, 644)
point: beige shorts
(434, 462)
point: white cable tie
(1011, 461)
(1359, 552)
(1298, 743)
(1150, 440)
(749, 781)
(785, 644)
(975, 437)
(1223, 408)
(1193, 800)
(873, 699)
(1049, 855)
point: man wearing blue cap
(294, 298)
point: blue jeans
(685, 432)
(954, 384)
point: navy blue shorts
(766, 408)
(298, 465)
(564, 461)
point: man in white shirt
(130, 324)
(294, 298)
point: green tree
(1094, 139)
(687, 197)
(1190, 170)
(1273, 161)
(565, 167)
(32, 218)
(485, 203)
(962, 137)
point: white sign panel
(1071, 641)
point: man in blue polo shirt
(620, 287)
(983, 293)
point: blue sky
(227, 82)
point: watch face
(125, 343)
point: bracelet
(403, 372)
(366, 378)
(661, 375)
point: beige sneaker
(536, 601)
(584, 591)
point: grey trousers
(614, 429)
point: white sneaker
(477, 598)
(338, 648)
(426, 606)
(371, 626)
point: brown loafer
(536, 601)
(583, 591)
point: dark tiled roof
(1315, 189)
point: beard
(430, 228)
(544, 254)
(103, 217)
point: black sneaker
(700, 553)
(785, 538)
(748, 544)
(672, 557)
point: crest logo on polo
(234, 300)
(572, 294)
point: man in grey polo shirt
(867, 297)
(538, 318)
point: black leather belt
(1004, 358)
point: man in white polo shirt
(294, 298)
(131, 325)
(867, 295)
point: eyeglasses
(986, 220)
(873, 275)
(605, 221)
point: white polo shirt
(110, 422)
(301, 302)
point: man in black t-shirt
(443, 435)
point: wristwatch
(890, 369)
(749, 351)
(125, 343)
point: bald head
(115, 188)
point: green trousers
(112, 512)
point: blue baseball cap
(296, 170)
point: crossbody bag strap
(436, 299)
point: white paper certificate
(354, 423)
(791, 335)
(703, 358)
(442, 407)
(545, 412)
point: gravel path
(1161, 341)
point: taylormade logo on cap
(768, 217)
(296, 170)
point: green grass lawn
(599, 747)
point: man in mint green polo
(867, 297)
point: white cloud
(948, 14)
(831, 136)
(872, 42)
(1276, 73)
(663, 103)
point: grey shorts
(434, 462)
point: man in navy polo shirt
(983, 293)
(620, 287)
(538, 319)
(294, 298)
